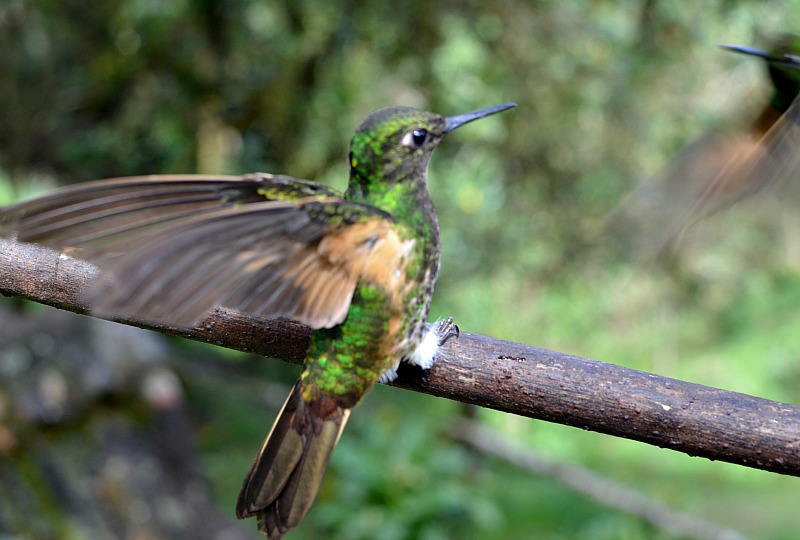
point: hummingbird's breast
(387, 313)
(421, 274)
(397, 262)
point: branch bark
(538, 383)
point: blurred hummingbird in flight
(359, 268)
(718, 169)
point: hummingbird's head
(783, 64)
(394, 145)
(784, 70)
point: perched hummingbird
(719, 169)
(359, 268)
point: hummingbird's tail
(287, 472)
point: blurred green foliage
(608, 91)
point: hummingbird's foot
(436, 333)
(445, 329)
(388, 376)
(424, 355)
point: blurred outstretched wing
(773, 162)
(653, 216)
(170, 253)
(707, 176)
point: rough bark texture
(543, 384)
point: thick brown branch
(695, 419)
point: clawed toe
(445, 329)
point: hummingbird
(357, 267)
(718, 169)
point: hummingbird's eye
(416, 138)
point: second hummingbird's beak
(791, 60)
(749, 51)
(452, 122)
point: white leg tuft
(424, 355)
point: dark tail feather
(287, 472)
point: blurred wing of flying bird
(717, 170)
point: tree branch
(538, 383)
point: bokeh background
(110, 433)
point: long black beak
(452, 122)
(749, 51)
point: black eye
(416, 138)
